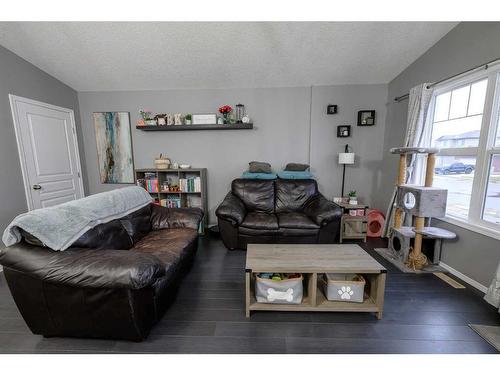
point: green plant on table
(352, 194)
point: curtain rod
(478, 67)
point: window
(465, 125)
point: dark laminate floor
(422, 315)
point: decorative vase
(188, 122)
(227, 121)
(353, 201)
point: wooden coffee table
(311, 261)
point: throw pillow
(259, 167)
(296, 167)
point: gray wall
(467, 45)
(21, 78)
(366, 142)
(281, 134)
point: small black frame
(331, 109)
(366, 118)
(343, 131)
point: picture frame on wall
(114, 147)
(343, 131)
(366, 118)
(331, 109)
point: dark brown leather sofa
(277, 211)
(115, 281)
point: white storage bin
(288, 291)
(344, 287)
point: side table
(353, 227)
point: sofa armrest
(322, 211)
(87, 268)
(169, 218)
(232, 209)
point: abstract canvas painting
(114, 147)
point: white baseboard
(464, 278)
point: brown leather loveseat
(277, 211)
(114, 282)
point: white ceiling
(134, 56)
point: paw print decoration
(345, 292)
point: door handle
(36, 187)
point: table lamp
(345, 157)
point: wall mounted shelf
(194, 127)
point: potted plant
(353, 199)
(225, 111)
(188, 119)
(147, 117)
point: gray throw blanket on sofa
(59, 226)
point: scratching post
(398, 215)
(416, 259)
(429, 169)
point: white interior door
(48, 150)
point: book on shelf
(171, 202)
(190, 185)
(150, 184)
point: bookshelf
(176, 188)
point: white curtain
(418, 110)
(493, 294)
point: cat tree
(422, 203)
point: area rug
(388, 255)
(489, 333)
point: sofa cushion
(257, 195)
(111, 235)
(257, 232)
(299, 232)
(171, 246)
(295, 220)
(138, 223)
(260, 220)
(292, 195)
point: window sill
(485, 231)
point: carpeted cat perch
(422, 203)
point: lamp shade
(346, 158)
